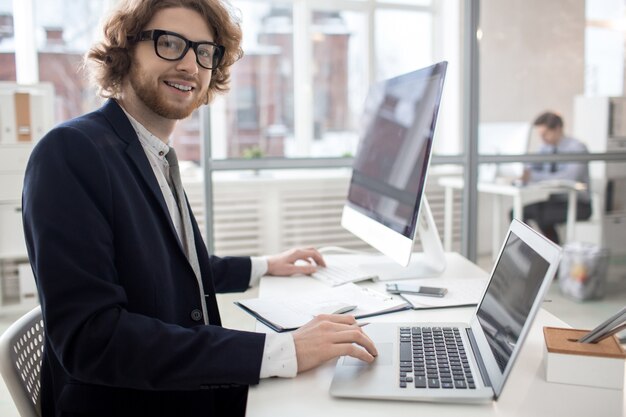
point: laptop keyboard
(434, 357)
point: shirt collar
(153, 144)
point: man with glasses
(126, 285)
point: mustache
(182, 77)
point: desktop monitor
(386, 206)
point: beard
(146, 89)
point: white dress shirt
(279, 352)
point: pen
(607, 334)
(363, 324)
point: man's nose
(188, 62)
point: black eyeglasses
(172, 47)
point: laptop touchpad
(384, 358)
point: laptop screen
(509, 298)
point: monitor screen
(389, 172)
(516, 281)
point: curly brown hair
(109, 60)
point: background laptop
(459, 362)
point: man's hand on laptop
(328, 336)
(295, 261)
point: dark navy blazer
(120, 300)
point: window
(340, 78)
(400, 51)
(64, 31)
(604, 48)
(256, 118)
(7, 41)
(300, 87)
(248, 111)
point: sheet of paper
(461, 292)
(291, 313)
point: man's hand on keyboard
(328, 336)
(286, 263)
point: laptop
(459, 362)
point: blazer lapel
(116, 116)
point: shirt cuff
(258, 269)
(279, 356)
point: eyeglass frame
(155, 34)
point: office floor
(584, 315)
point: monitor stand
(431, 262)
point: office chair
(21, 350)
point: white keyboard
(338, 273)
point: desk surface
(526, 392)
(521, 195)
(537, 191)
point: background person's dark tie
(188, 239)
(553, 163)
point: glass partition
(537, 57)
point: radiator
(258, 215)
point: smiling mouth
(179, 87)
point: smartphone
(416, 289)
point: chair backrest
(21, 351)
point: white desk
(526, 393)
(521, 195)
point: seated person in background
(548, 214)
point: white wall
(531, 58)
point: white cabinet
(26, 114)
(13, 160)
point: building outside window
(307, 66)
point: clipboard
(283, 314)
